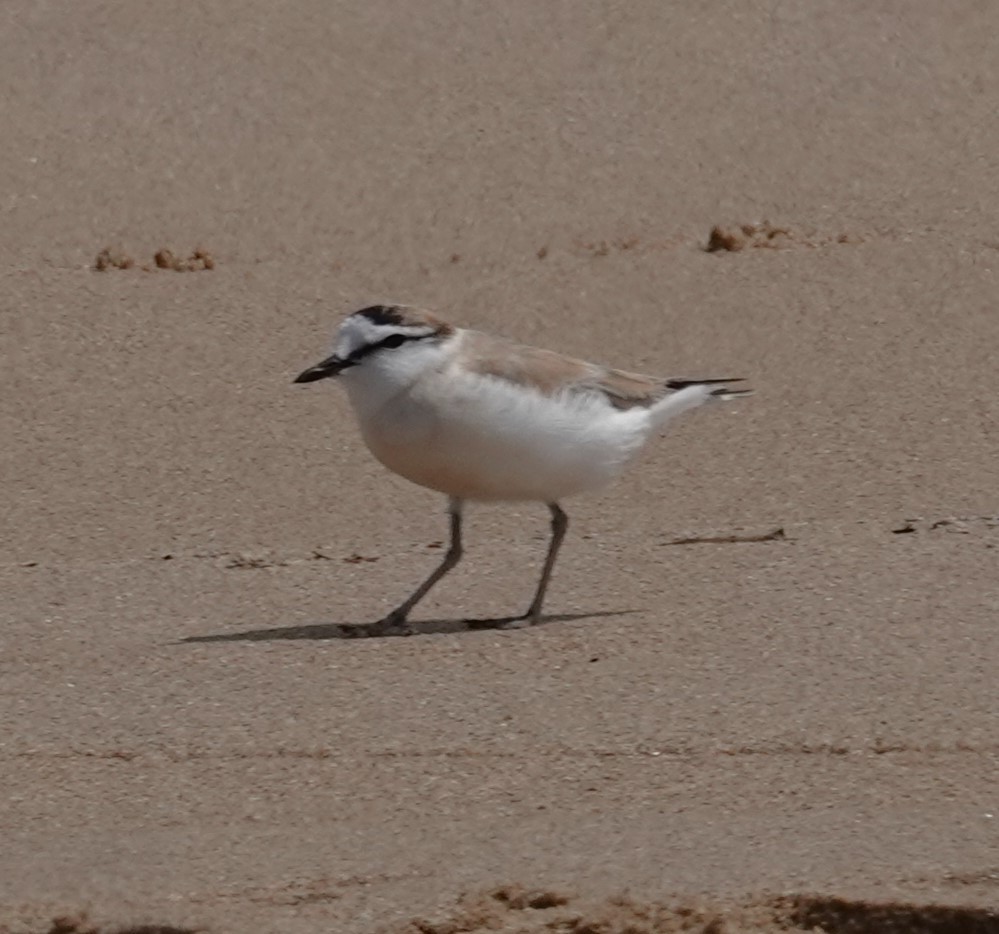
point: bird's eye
(395, 340)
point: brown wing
(632, 390)
(551, 373)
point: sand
(780, 730)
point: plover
(477, 417)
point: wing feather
(551, 373)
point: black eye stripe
(393, 340)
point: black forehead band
(390, 315)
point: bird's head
(386, 340)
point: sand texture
(766, 694)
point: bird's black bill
(329, 367)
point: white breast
(478, 437)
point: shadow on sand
(427, 627)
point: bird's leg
(560, 522)
(395, 622)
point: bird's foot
(391, 625)
(521, 622)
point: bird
(480, 418)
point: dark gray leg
(395, 622)
(560, 522)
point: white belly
(497, 442)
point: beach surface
(765, 697)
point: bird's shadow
(320, 632)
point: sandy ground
(710, 735)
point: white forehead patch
(359, 331)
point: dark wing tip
(685, 383)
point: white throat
(380, 378)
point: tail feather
(692, 393)
(724, 394)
